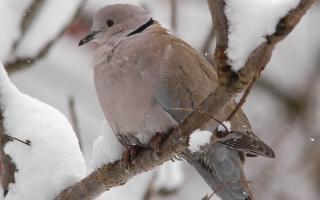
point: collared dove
(141, 72)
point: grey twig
(74, 119)
(27, 19)
(24, 62)
(174, 15)
(149, 193)
(207, 42)
(10, 138)
(206, 46)
(242, 100)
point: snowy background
(284, 107)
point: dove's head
(119, 20)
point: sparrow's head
(116, 20)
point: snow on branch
(40, 143)
(261, 55)
(287, 17)
(231, 83)
(249, 23)
(8, 168)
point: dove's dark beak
(88, 38)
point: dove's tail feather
(221, 168)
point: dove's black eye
(110, 22)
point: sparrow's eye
(110, 22)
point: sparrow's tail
(221, 168)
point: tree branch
(74, 120)
(174, 15)
(220, 24)
(27, 19)
(262, 54)
(24, 62)
(231, 83)
(8, 168)
(206, 46)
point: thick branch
(112, 175)
(8, 168)
(220, 23)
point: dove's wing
(186, 80)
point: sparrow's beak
(88, 38)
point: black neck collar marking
(142, 28)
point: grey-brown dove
(141, 72)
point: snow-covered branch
(231, 83)
(7, 167)
(52, 162)
(262, 54)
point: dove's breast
(125, 83)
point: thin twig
(206, 47)
(174, 15)
(149, 193)
(74, 119)
(242, 100)
(28, 17)
(26, 142)
(24, 62)
(207, 42)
